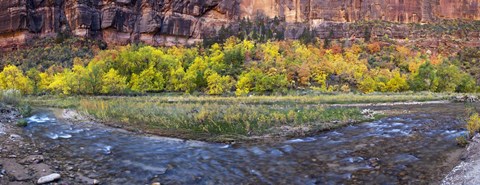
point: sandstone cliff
(167, 22)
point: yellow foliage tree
(113, 82)
(45, 80)
(244, 84)
(367, 85)
(398, 83)
(218, 84)
(13, 78)
(148, 80)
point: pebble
(49, 178)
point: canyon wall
(170, 22)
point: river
(416, 147)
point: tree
(61, 82)
(113, 82)
(374, 47)
(176, 82)
(244, 84)
(397, 84)
(367, 85)
(425, 79)
(195, 75)
(34, 75)
(77, 80)
(148, 80)
(467, 84)
(270, 82)
(93, 79)
(218, 84)
(451, 77)
(45, 80)
(12, 78)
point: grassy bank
(227, 118)
(312, 99)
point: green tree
(425, 79)
(451, 77)
(34, 75)
(93, 79)
(467, 84)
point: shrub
(473, 124)
(22, 123)
(25, 110)
(373, 47)
(462, 141)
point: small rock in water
(49, 178)
(15, 137)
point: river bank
(25, 161)
(468, 171)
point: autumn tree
(148, 80)
(218, 84)
(113, 82)
(13, 78)
(34, 75)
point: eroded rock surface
(168, 22)
(468, 171)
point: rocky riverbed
(23, 161)
(415, 146)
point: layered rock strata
(169, 22)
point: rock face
(167, 22)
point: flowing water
(411, 148)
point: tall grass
(223, 116)
(218, 119)
(308, 99)
(10, 97)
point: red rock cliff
(165, 22)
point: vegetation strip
(227, 118)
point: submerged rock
(49, 178)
